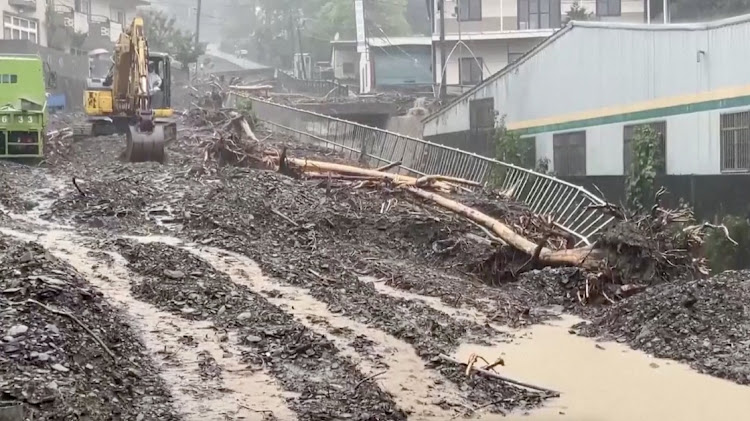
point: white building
(23, 19)
(484, 36)
(70, 25)
(579, 96)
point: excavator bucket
(145, 146)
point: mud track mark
(415, 388)
(178, 346)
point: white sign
(359, 17)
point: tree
(163, 35)
(640, 187)
(274, 38)
(577, 12)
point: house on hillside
(398, 62)
(75, 26)
(581, 95)
(484, 36)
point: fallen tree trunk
(585, 257)
(426, 180)
(321, 167)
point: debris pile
(703, 322)
(65, 352)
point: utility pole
(301, 54)
(198, 24)
(443, 76)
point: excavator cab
(125, 101)
(147, 143)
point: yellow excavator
(129, 99)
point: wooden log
(430, 178)
(329, 176)
(322, 167)
(548, 392)
(585, 257)
(389, 166)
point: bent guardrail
(572, 207)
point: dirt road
(242, 294)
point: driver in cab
(154, 80)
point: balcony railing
(103, 27)
(25, 5)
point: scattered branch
(78, 321)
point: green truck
(23, 106)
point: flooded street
(610, 382)
(593, 377)
(258, 316)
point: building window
(348, 68)
(83, 6)
(117, 16)
(482, 114)
(608, 7)
(514, 57)
(629, 132)
(470, 70)
(15, 27)
(735, 142)
(538, 14)
(7, 78)
(569, 153)
(469, 10)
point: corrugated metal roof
(619, 26)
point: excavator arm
(130, 90)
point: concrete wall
(404, 65)
(495, 54)
(711, 196)
(345, 54)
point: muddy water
(400, 371)
(608, 382)
(238, 394)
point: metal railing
(572, 207)
(321, 88)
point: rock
(174, 274)
(253, 339)
(244, 316)
(17, 330)
(52, 329)
(11, 348)
(59, 367)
